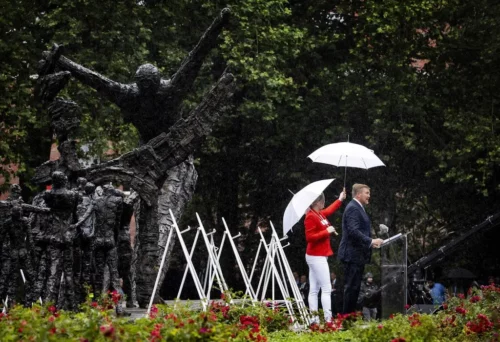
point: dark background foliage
(416, 81)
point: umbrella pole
(345, 175)
(345, 171)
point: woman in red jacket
(318, 231)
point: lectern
(394, 275)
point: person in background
(304, 289)
(437, 292)
(318, 231)
(123, 299)
(369, 296)
(333, 280)
(296, 277)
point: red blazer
(317, 237)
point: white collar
(359, 203)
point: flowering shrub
(475, 318)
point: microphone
(384, 229)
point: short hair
(81, 180)
(319, 199)
(59, 179)
(356, 188)
(147, 71)
(89, 188)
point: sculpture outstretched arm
(184, 78)
(144, 169)
(112, 90)
(34, 209)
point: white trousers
(319, 278)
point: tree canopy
(416, 81)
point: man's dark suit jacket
(355, 246)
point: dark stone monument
(152, 105)
(58, 239)
(19, 244)
(86, 229)
(17, 250)
(77, 233)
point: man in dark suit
(356, 244)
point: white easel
(249, 289)
(190, 265)
(276, 269)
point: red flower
(115, 296)
(52, 319)
(171, 316)
(225, 311)
(156, 333)
(204, 330)
(153, 312)
(380, 326)
(107, 330)
(399, 339)
(52, 309)
(475, 299)
(93, 304)
(407, 306)
(52, 330)
(479, 325)
(314, 327)
(414, 320)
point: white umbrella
(346, 154)
(301, 201)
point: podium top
(391, 239)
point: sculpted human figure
(11, 218)
(4, 248)
(108, 213)
(80, 186)
(58, 239)
(15, 193)
(151, 103)
(86, 227)
(124, 247)
(38, 223)
(20, 241)
(5, 216)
